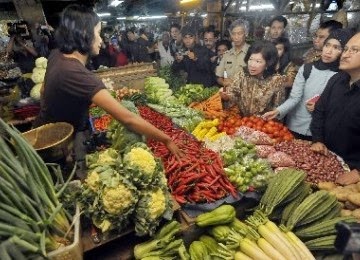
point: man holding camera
(23, 53)
(194, 60)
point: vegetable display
(33, 221)
(207, 130)
(158, 91)
(194, 93)
(318, 166)
(199, 177)
(126, 188)
(163, 245)
(244, 170)
(211, 107)
(182, 116)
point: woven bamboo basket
(132, 75)
(52, 141)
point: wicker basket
(52, 141)
(132, 75)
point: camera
(18, 29)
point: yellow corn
(217, 136)
(202, 133)
(211, 132)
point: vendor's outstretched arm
(132, 121)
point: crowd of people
(316, 96)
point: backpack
(307, 70)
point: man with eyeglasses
(325, 28)
(336, 119)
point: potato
(345, 213)
(326, 185)
(350, 206)
(340, 193)
(356, 213)
(358, 186)
(351, 188)
(354, 198)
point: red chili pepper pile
(197, 178)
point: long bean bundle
(32, 219)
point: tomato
(288, 137)
(249, 124)
(220, 127)
(276, 133)
(231, 131)
(231, 121)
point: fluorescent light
(152, 17)
(103, 14)
(186, 1)
(115, 3)
(121, 18)
(261, 7)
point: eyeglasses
(351, 50)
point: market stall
(244, 187)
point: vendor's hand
(224, 96)
(310, 106)
(319, 148)
(271, 115)
(348, 178)
(175, 150)
(191, 55)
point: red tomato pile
(275, 130)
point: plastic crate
(73, 251)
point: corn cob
(280, 187)
(217, 136)
(321, 243)
(211, 132)
(322, 229)
(319, 210)
(202, 133)
(305, 207)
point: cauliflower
(142, 159)
(108, 157)
(35, 91)
(150, 209)
(38, 75)
(41, 62)
(105, 225)
(158, 205)
(106, 195)
(93, 181)
(117, 200)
